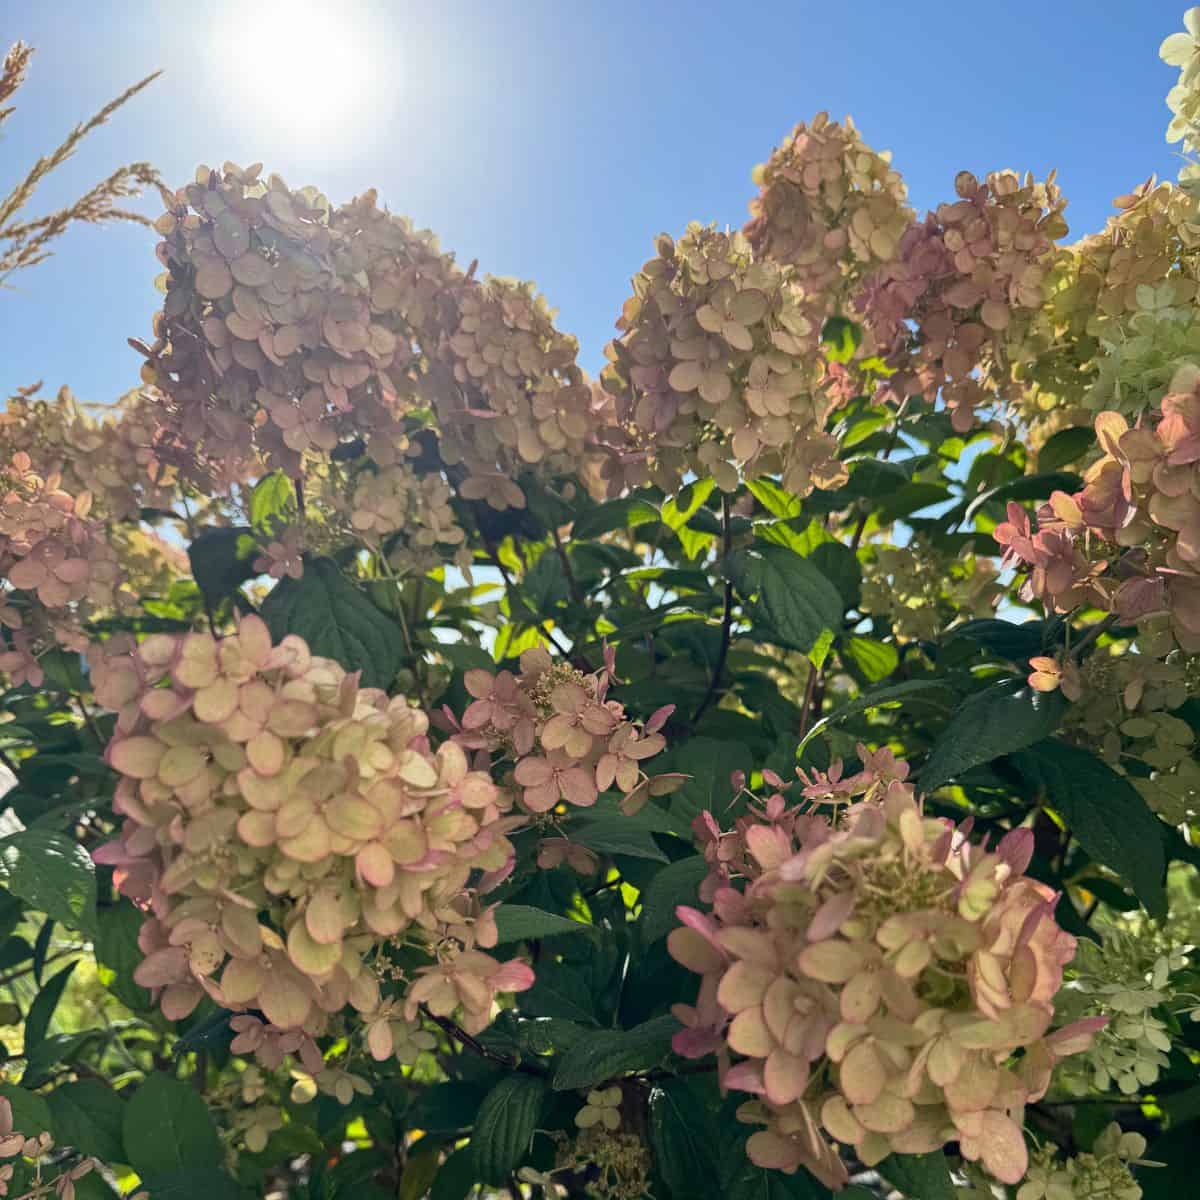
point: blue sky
(551, 141)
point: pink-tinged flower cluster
(57, 558)
(290, 327)
(1128, 542)
(288, 832)
(567, 739)
(114, 457)
(874, 972)
(952, 311)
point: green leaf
(911, 498)
(89, 1116)
(37, 1021)
(118, 954)
(168, 1128)
(505, 1126)
(676, 884)
(1013, 642)
(337, 621)
(1065, 447)
(875, 698)
(272, 503)
(774, 499)
(1004, 717)
(709, 762)
(611, 837)
(52, 874)
(679, 510)
(419, 1173)
(840, 565)
(1026, 487)
(53, 1051)
(919, 1176)
(197, 1182)
(222, 560)
(795, 602)
(876, 660)
(625, 513)
(1105, 812)
(456, 1178)
(682, 1137)
(842, 338)
(610, 1052)
(31, 1114)
(446, 1107)
(560, 990)
(520, 922)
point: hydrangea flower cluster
(1127, 978)
(289, 834)
(954, 308)
(1182, 50)
(718, 367)
(875, 972)
(716, 372)
(1129, 542)
(113, 457)
(1103, 1173)
(52, 553)
(568, 740)
(911, 586)
(290, 327)
(1125, 710)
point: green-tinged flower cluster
(877, 974)
(1126, 978)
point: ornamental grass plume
(297, 845)
(875, 972)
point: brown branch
(577, 597)
(453, 1030)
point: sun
(302, 74)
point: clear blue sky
(551, 140)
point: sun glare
(305, 70)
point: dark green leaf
(1026, 487)
(168, 1128)
(30, 1112)
(683, 1139)
(37, 1021)
(89, 1116)
(456, 1177)
(676, 884)
(505, 1126)
(911, 498)
(560, 990)
(272, 503)
(1004, 717)
(520, 922)
(611, 1052)
(222, 560)
(919, 1176)
(897, 692)
(796, 603)
(199, 1182)
(840, 565)
(337, 621)
(446, 1107)
(611, 837)
(1065, 447)
(1105, 812)
(52, 874)
(53, 1051)
(1013, 642)
(709, 763)
(118, 954)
